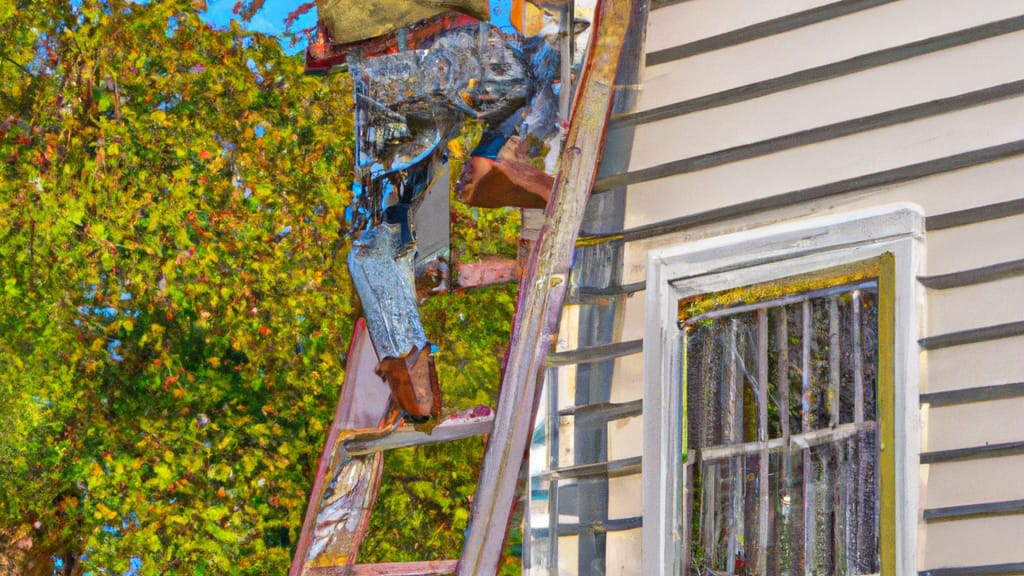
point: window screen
(781, 435)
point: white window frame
(751, 257)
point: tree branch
(21, 67)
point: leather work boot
(414, 384)
(508, 180)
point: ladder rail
(363, 403)
(542, 292)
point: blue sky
(269, 20)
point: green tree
(174, 306)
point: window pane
(791, 486)
(722, 355)
(787, 537)
(861, 514)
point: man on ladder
(415, 83)
(417, 78)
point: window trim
(759, 255)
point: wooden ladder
(348, 475)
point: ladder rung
(454, 428)
(425, 568)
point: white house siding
(751, 112)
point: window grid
(821, 427)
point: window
(780, 427)
(782, 366)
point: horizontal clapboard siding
(791, 15)
(1007, 569)
(986, 333)
(807, 137)
(991, 273)
(975, 424)
(627, 378)
(701, 20)
(975, 394)
(974, 542)
(982, 213)
(898, 27)
(955, 195)
(975, 306)
(971, 482)
(941, 75)
(974, 510)
(751, 113)
(956, 249)
(975, 365)
(841, 160)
